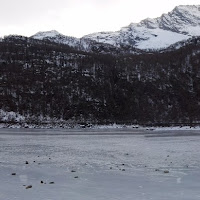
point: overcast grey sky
(78, 17)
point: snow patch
(10, 116)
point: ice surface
(99, 158)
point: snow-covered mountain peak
(180, 19)
(57, 37)
(188, 9)
(180, 24)
(46, 34)
(148, 23)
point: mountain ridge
(182, 23)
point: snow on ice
(98, 164)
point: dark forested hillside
(43, 78)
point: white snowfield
(100, 164)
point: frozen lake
(113, 164)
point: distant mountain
(57, 37)
(180, 24)
(83, 44)
(77, 43)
